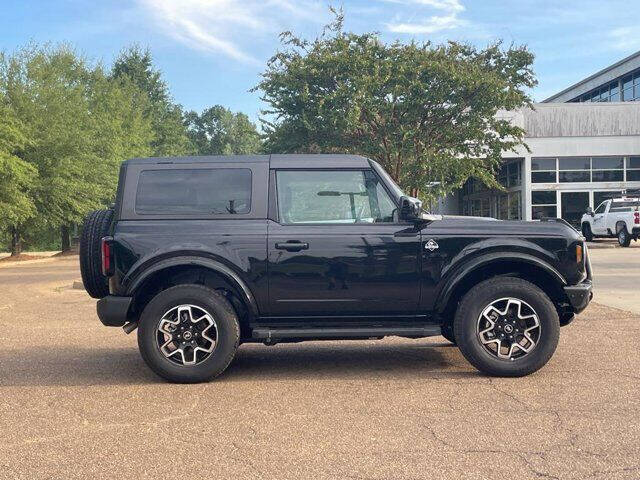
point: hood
(491, 227)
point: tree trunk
(16, 243)
(65, 232)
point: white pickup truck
(615, 217)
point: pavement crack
(507, 394)
(535, 471)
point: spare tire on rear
(95, 227)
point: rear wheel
(95, 227)
(624, 239)
(188, 334)
(507, 327)
(586, 232)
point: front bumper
(113, 311)
(579, 295)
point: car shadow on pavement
(352, 360)
(51, 366)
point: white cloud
(430, 25)
(230, 27)
(448, 20)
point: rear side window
(224, 191)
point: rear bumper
(113, 311)
(579, 295)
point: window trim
(276, 208)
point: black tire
(586, 232)
(227, 339)
(624, 239)
(482, 295)
(95, 227)
(447, 333)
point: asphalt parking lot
(76, 401)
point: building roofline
(591, 77)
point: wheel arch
(526, 267)
(192, 269)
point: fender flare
(463, 271)
(207, 263)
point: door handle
(292, 246)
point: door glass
(339, 196)
(574, 204)
(601, 208)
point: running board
(273, 334)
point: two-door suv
(201, 254)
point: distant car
(204, 253)
(615, 217)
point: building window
(574, 169)
(515, 205)
(608, 169)
(631, 87)
(599, 197)
(633, 169)
(627, 89)
(544, 203)
(543, 170)
(509, 174)
(503, 207)
(585, 169)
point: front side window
(339, 196)
(196, 191)
(601, 208)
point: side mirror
(410, 208)
(590, 211)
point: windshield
(387, 179)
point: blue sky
(212, 51)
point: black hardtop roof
(292, 160)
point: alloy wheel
(508, 328)
(187, 334)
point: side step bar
(273, 334)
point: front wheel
(507, 327)
(188, 334)
(624, 239)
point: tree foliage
(80, 125)
(16, 175)
(219, 131)
(426, 112)
(135, 65)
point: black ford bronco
(201, 254)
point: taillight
(107, 257)
(636, 217)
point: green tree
(426, 113)
(16, 178)
(170, 137)
(219, 131)
(81, 123)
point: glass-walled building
(619, 82)
(583, 147)
(578, 155)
